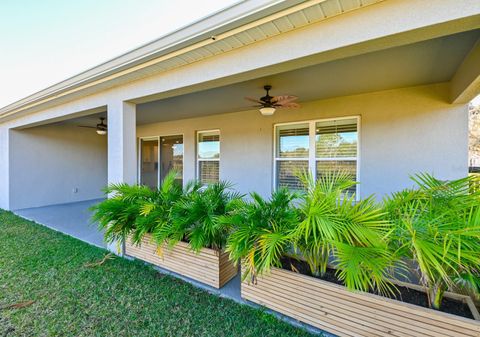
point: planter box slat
(333, 308)
(180, 247)
(330, 303)
(180, 268)
(208, 266)
(383, 303)
(309, 319)
(187, 261)
(204, 276)
(307, 315)
(382, 315)
(332, 315)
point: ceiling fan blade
(86, 126)
(290, 105)
(253, 100)
(284, 99)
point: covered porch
(400, 103)
(397, 100)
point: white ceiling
(431, 61)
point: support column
(122, 154)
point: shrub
(437, 225)
(117, 216)
(197, 218)
(349, 234)
(263, 231)
(135, 210)
(325, 223)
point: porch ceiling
(432, 61)
(427, 62)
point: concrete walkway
(72, 219)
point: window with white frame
(208, 156)
(320, 146)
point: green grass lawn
(118, 298)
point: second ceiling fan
(101, 127)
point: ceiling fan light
(101, 132)
(267, 111)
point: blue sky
(44, 42)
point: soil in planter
(404, 294)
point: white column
(122, 158)
(122, 161)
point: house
(383, 88)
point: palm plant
(335, 228)
(262, 233)
(117, 215)
(196, 218)
(437, 225)
(155, 212)
(135, 210)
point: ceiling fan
(101, 127)
(268, 104)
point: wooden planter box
(333, 308)
(207, 267)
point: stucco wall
(47, 163)
(402, 132)
(4, 195)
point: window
(208, 156)
(292, 154)
(318, 146)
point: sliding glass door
(171, 157)
(158, 156)
(149, 152)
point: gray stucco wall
(48, 162)
(4, 174)
(402, 132)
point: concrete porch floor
(73, 219)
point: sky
(45, 42)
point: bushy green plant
(335, 228)
(437, 225)
(155, 212)
(117, 215)
(196, 218)
(135, 210)
(263, 231)
(324, 225)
